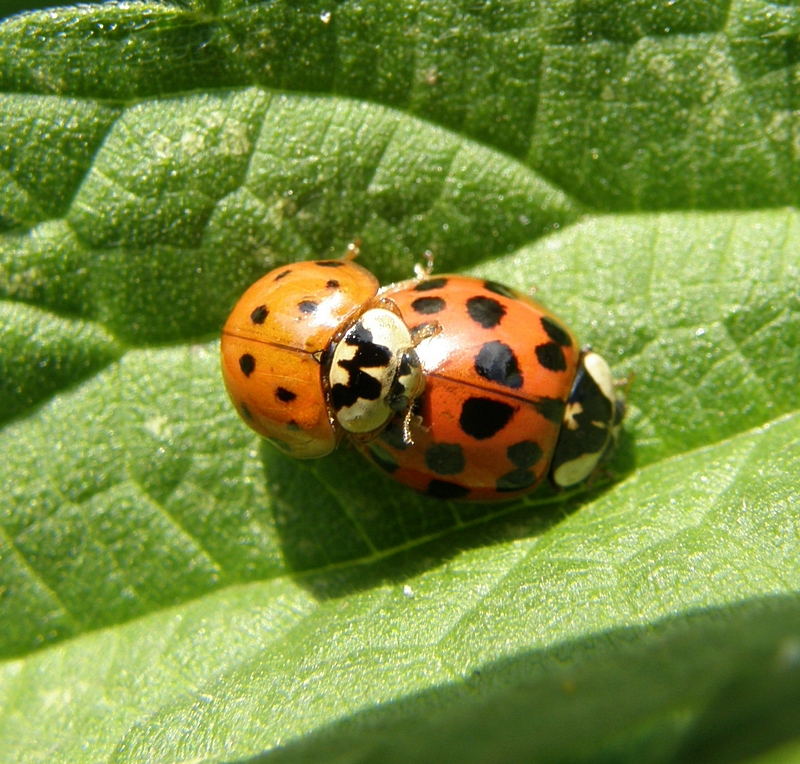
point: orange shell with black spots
(497, 378)
(272, 346)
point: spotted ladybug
(311, 351)
(509, 397)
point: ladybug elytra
(311, 351)
(509, 397)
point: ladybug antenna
(353, 248)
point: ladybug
(509, 397)
(311, 351)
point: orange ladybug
(312, 351)
(509, 397)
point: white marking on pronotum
(388, 331)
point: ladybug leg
(422, 272)
(592, 418)
(425, 332)
(625, 384)
(413, 417)
(407, 439)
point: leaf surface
(174, 589)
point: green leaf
(172, 588)
(668, 594)
(701, 309)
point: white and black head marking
(374, 371)
(591, 420)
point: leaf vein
(38, 577)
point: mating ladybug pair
(458, 387)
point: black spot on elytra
(443, 489)
(307, 306)
(330, 263)
(283, 274)
(551, 356)
(484, 417)
(284, 395)
(259, 314)
(551, 409)
(445, 459)
(360, 385)
(247, 364)
(524, 454)
(555, 332)
(246, 412)
(501, 289)
(392, 434)
(428, 305)
(383, 458)
(332, 284)
(497, 363)
(428, 284)
(485, 311)
(516, 480)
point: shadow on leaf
(344, 526)
(721, 684)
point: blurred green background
(10, 7)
